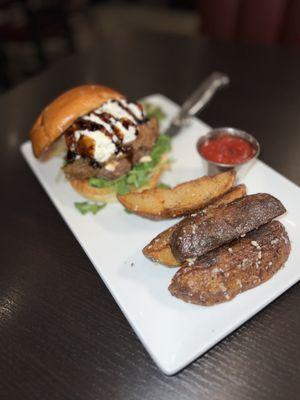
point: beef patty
(116, 166)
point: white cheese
(136, 111)
(99, 121)
(110, 166)
(114, 109)
(128, 134)
(105, 141)
(77, 135)
(145, 159)
(104, 148)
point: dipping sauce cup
(223, 149)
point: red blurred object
(227, 149)
(257, 21)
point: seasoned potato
(204, 232)
(223, 273)
(158, 250)
(159, 203)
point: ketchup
(227, 149)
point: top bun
(64, 110)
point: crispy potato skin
(225, 272)
(159, 250)
(183, 199)
(205, 232)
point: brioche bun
(64, 110)
(109, 194)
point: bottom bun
(108, 195)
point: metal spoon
(196, 102)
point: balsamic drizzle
(84, 124)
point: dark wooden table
(61, 334)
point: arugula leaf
(100, 183)
(128, 211)
(122, 187)
(162, 145)
(163, 186)
(140, 174)
(152, 110)
(85, 207)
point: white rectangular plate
(174, 333)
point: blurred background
(36, 33)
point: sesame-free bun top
(64, 110)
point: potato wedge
(197, 235)
(158, 250)
(231, 269)
(183, 199)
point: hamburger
(111, 145)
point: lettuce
(85, 207)
(140, 174)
